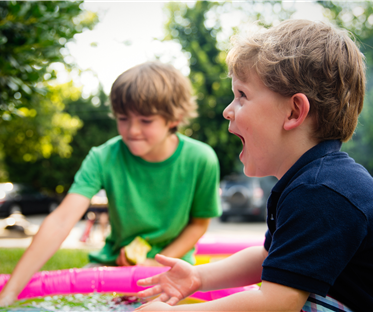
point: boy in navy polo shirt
(298, 90)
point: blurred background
(58, 60)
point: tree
(56, 172)
(33, 124)
(32, 35)
(198, 30)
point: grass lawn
(62, 259)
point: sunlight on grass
(62, 259)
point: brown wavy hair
(313, 58)
(154, 88)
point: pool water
(80, 302)
(76, 302)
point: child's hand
(7, 299)
(121, 259)
(154, 306)
(178, 283)
(150, 262)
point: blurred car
(16, 197)
(245, 197)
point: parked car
(25, 199)
(245, 197)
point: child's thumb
(166, 261)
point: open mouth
(243, 143)
(242, 139)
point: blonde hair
(154, 88)
(313, 58)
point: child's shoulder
(196, 147)
(109, 146)
(341, 176)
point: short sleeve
(88, 179)
(268, 240)
(206, 201)
(317, 233)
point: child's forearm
(46, 242)
(271, 297)
(187, 238)
(286, 299)
(241, 269)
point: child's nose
(134, 128)
(228, 112)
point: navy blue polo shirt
(320, 227)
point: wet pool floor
(77, 302)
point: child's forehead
(249, 78)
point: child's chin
(249, 171)
(137, 153)
(136, 150)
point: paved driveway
(232, 229)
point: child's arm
(271, 297)
(53, 231)
(242, 268)
(187, 238)
(180, 246)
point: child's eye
(146, 121)
(122, 118)
(242, 94)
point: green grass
(62, 259)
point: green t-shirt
(151, 200)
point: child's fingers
(120, 257)
(166, 261)
(122, 260)
(173, 301)
(7, 300)
(156, 290)
(167, 299)
(149, 281)
(162, 298)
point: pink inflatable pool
(217, 245)
(104, 279)
(124, 279)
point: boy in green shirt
(161, 185)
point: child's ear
(299, 109)
(173, 124)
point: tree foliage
(33, 122)
(32, 35)
(43, 129)
(56, 172)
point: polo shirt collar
(316, 152)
